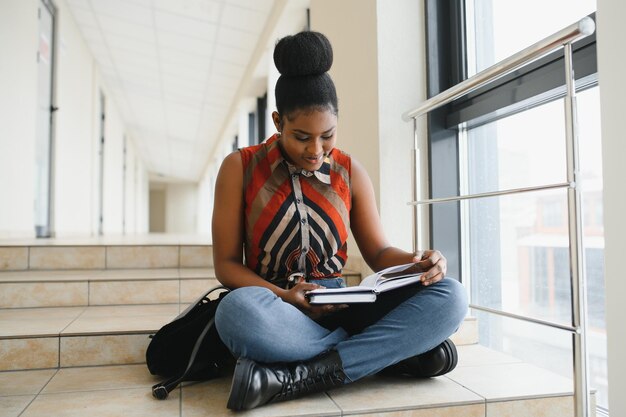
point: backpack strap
(162, 390)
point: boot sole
(240, 384)
(450, 350)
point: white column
(611, 64)
(379, 71)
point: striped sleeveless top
(295, 220)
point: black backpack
(189, 348)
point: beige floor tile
(101, 378)
(467, 333)
(67, 257)
(540, 407)
(130, 311)
(48, 275)
(24, 382)
(36, 321)
(125, 319)
(478, 355)
(137, 274)
(41, 313)
(13, 406)
(384, 394)
(197, 273)
(192, 289)
(13, 258)
(37, 353)
(103, 350)
(133, 292)
(475, 410)
(210, 398)
(109, 403)
(43, 294)
(511, 381)
(108, 325)
(196, 256)
(138, 239)
(142, 257)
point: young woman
(283, 209)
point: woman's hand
(296, 296)
(433, 265)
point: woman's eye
(302, 138)
(327, 137)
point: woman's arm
(228, 228)
(370, 237)
(228, 238)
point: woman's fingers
(434, 265)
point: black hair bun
(306, 53)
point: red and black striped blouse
(295, 220)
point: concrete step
(66, 256)
(91, 287)
(62, 337)
(485, 383)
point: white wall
(379, 71)
(401, 86)
(113, 169)
(611, 64)
(355, 73)
(18, 103)
(180, 208)
(76, 167)
(74, 140)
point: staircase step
(61, 255)
(61, 337)
(515, 389)
(23, 289)
(66, 288)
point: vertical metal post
(416, 194)
(577, 271)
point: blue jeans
(254, 323)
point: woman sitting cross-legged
(286, 206)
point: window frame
(446, 65)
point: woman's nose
(315, 147)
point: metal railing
(562, 39)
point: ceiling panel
(258, 5)
(173, 67)
(183, 25)
(244, 19)
(121, 9)
(208, 11)
(236, 38)
(185, 43)
(232, 55)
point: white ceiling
(173, 68)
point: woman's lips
(313, 159)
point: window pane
(517, 251)
(517, 263)
(524, 150)
(499, 29)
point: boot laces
(295, 383)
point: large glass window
(513, 250)
(501, 28)
(528, 233)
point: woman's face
(306, 137)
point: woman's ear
(277, 121)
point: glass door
(45, 119)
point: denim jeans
(254, 323)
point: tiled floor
(514, 390)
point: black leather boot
(255, 384)
(438, 361)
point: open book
(366, 292)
